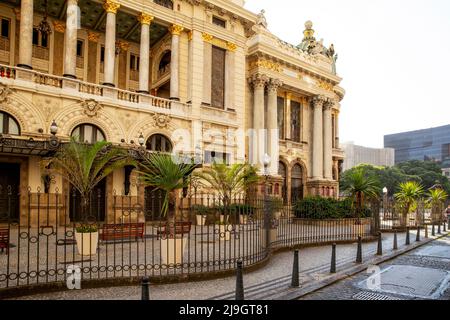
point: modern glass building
(429, 144)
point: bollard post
(444, 226)
(448, 221)
(333, 259)
(145, 289)
(418, 234)
(439, 228)
(239, 282)
(407, 242)
(359, 251)
(433, 233)
(426, 231)
(395, 240)
(295, 283)
(380, 245)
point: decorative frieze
(59, 26)
(94, 37)
(266, 64)
(325, 85)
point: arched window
(88, 133)
(283, 173)
(159, 143)
(164, 64)
(8, 125)
(297, 182)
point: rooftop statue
(261, 19)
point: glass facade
(428, 144)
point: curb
(296, 294)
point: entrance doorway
(9, 191)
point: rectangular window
(44, 40)
(218, 78)
(216, 157)
(5, 28)
(79, 48)
(35, 37)
(295, 121)
(219, 22)
(102, 54)
(281, 117)
(134, 62)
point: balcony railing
(44, 79)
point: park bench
(122, 231)
(171, 230)
(4, 240)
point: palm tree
(361, 186)
(229, 181)
(162, 173)
(409, 192)
(437, 198)
(85, 165)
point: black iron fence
(43, 235)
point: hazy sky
(394, 58)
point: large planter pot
(201, 220)
(225, 232)
(243, 219)
(172, 250)
(87, 243)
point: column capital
(94, 37)
(59, 26)
(318, 101)
(328, 104)
(145, 18)
(176, 29)
(111, 6)
(273, 85)
(207, 37)
(258, 80)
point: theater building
(204, 77)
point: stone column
(327, 141)
(70, 55)
(272, 125)
(26, 34)
(144, 55)
(258, 137)
(229, 76)
(336, 128)
(175, 30)
(287, 121)
(111, 8)
(317, 156)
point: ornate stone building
(201, 76)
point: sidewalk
(266, 283)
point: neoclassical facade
(203, 77)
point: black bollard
(426, 231)
(444, 226)
(407, 242)
(239, 282)
(380, 245)
(333, 259)
(395, 240)
(295, 283)
(433, 233)
(359, 251)
(418, 234)
(439, 228)
(145, 289)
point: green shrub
(325, 208)
(201, 209)
(87, 228)
(243, 209)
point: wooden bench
(170, 230)
(122, 231)
(4, 240)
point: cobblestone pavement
(266, 283)
(435, 256)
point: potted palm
(163, 173)
(409, 192)
(436, 199)
(229, 183)
(201, 213)
(360, 187)
(84, 166)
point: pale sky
(394, 58)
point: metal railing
(202, 235)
